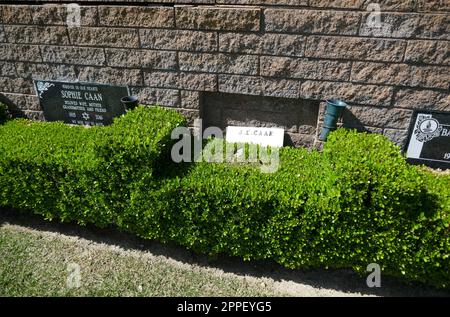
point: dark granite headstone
(429, 139)
(80, 103)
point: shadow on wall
(349, 120)
(13, 109)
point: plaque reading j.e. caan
(80, 103)
(429, 141)
(263, 136)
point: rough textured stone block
(218, 18)
(286, 67)
(138, 16)
(2, 34)
(284, 88)
(190, 99)
(370, 129)
(265, 2)
(428, 52)
(181, 80)
(201, 82)
(219, 63)
(190, 115)
(110, 37)
(355, 48)
(7, 69)
(322, 109)
(37, 34)
(249, 85)
(394, 5)
(141, 58)
(399, 137)
(156, 96)
(109, 75)
(307, 129)
(13, 14)
(361, 94)
(299, 140)
(32, 103)
(34, 115)
(46, 71)
(312, 21)
(267, 43)
(385, 5)
(433, 5)
(436, 26)
(376, 117)
(401, 75)
(179, 40)
(73, 55)
(16, 85)
(20, 52)
(162, 79)
(422, 99)
(337, 4)
(58, 14)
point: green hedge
(392, 213)
(356, 203)
(81, 174)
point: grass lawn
(40, 258)
(37, 264)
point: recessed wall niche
(298, 117)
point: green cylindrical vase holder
(332, 114)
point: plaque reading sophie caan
(429, 140)
(80, 103)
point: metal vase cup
(129, 102)
(333, 112)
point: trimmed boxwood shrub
(393, 213)
(356, 203)
(81, 174)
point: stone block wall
(178, 52)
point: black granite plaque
(429, 139)
(80, 103)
